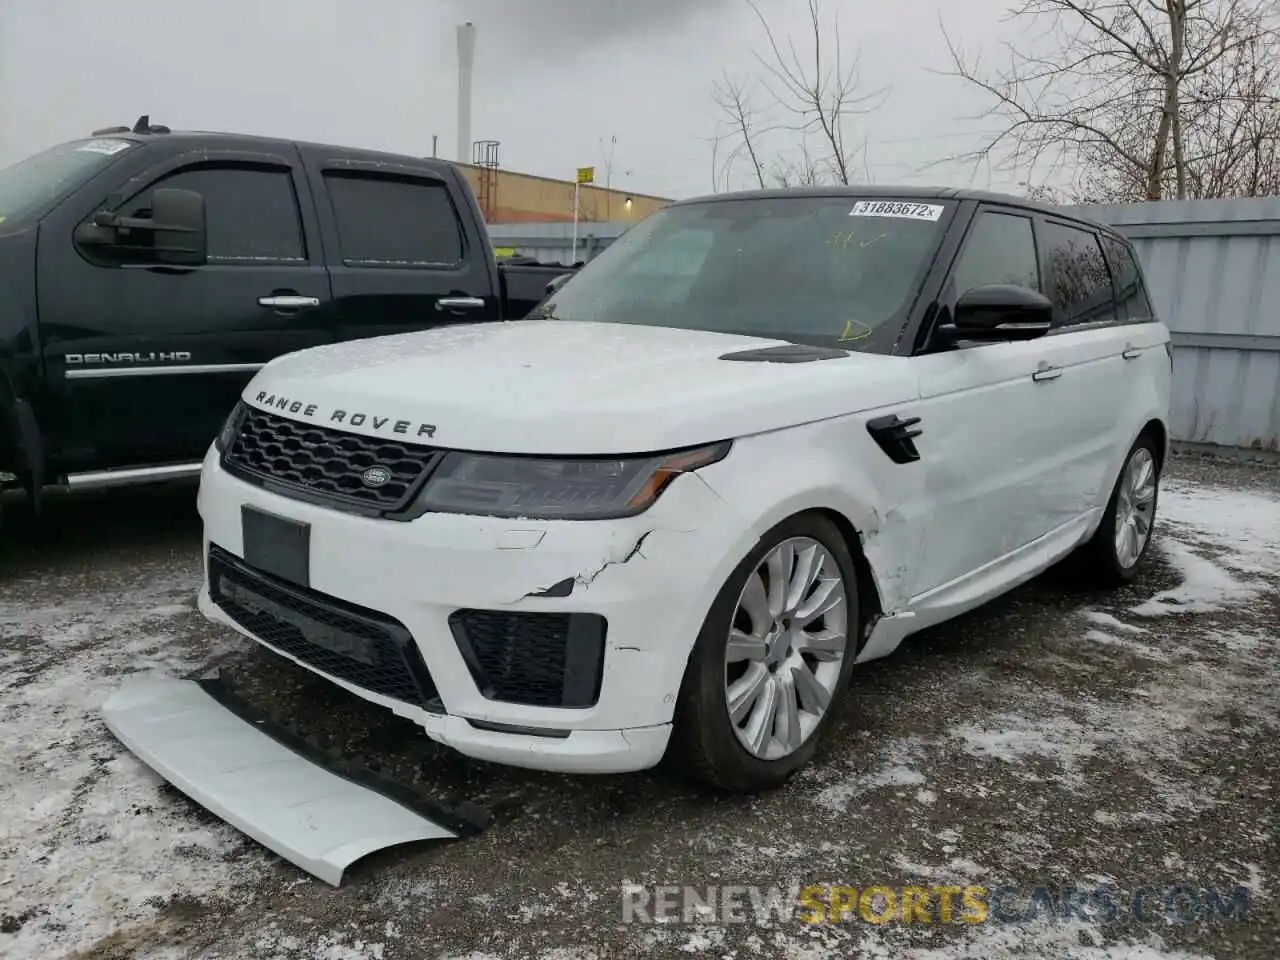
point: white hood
(559, 387)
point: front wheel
(771, 661)
(1114, 555)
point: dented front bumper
(651, 578)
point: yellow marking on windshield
(853, 330)
(1, 219)
(848, 238)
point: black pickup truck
(147, 274)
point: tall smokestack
(466, 60)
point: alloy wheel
(787, 640)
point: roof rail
(103, 131)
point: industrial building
(509, 197)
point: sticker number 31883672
(896, 208)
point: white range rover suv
(759, 440)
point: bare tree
(792, 125)
(733, 100)
(1131, 98)
(798, 170)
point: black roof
(203, 137)
(869, 192)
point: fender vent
(896, 437)
(789, 353)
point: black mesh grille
(535, 659)
(328, 464)
(339, 639)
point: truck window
(251, 212)
(1132, 302)
(999, 248)
(31, 186)
(1078, 281)
(394, 221)
(825, 270)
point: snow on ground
(88, 843)
(93, 848)
(1221, 541)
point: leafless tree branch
(1136, 99)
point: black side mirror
(175, 233)
(177, 218)
(557, 283)
(1000, 312)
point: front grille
(340, 639)
(535, 659)
(328, 465)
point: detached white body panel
(314, 819)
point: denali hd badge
(376, 477)
(346, 418)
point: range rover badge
(375, 477)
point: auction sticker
(897, 208)
(108, 147)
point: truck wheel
(771, 660)
(1113, 556)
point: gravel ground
(1054, 739)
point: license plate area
(276, 545)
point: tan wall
(524, 198)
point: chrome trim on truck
(86, 373)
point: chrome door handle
(288, 302)
(1047, 372)
(459, 303)
(1131, 353)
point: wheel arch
(870, 606)
(1157, 431)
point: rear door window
(1077, 279)
(394, 221)
(1132, 302)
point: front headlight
(222, 442)
(557, 488)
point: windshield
(31, 186)
(830, 271)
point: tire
(1103, 562)
(710, 746)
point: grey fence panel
(1214, 271)
(1213, 267)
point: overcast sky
(553, 78)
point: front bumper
(652, 579)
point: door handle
(1131, 352)
(459, 303)
(286, 302)
(1046, 372)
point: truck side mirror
(557, 283)
(176, 228)
(178, 225)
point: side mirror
(174, 234)
(557, 283)
(1001, 312)
(177, 218)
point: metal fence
(1214, 271)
